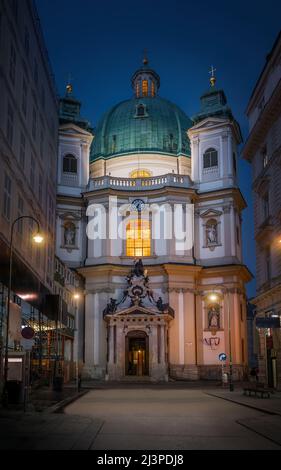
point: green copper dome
(146, 124)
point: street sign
(27, 332)
(222, 357)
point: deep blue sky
(100, 44)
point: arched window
(138, 238)
(210, 158)
(145, 88)
(140, 174)
(152, 89)
(140, 110)
(69, 164)
(138, 89)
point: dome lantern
(145, 81)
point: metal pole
(77, 347)
(6, 363)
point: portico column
(110, 344)
(162, 350)
(181, 328)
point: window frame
(137, 246)
(72, 159)
(210, 153)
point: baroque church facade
(155, 308)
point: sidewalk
(46, 431)
(45, 398)
(270, 405)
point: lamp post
(38, 238)
(213, 297)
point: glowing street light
(38, 238)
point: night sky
(100, 44)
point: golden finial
(145, 59)
(212, 78)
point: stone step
(135, 379)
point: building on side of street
(252, 335)
(263, 150)
(69, 334)
(28, 155)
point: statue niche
(211, 233)
(214, 318)
(69, 234)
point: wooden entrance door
(137, 353)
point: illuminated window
(152, 89)
(138, 89)
(144, 88)
(140, 174)
(138, 238)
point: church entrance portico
(137, 343)
(137, 331)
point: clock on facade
(138, 204)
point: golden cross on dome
(69, 87)
(212, 78)
(145, 59)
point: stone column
(110, 344)
(162, 350)
(181, 327)
(237, 356)
(96, 330)
(89, 334)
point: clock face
(138, 204)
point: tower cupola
(145, 81)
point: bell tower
(214, 139)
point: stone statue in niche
(214, 317)
(212, 234)
(138, 268)
(69, 234)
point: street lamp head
(213, 297)
(38, 238)
(76, 296)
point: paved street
(165, 418)
(147, 417)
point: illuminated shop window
(138, 241)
